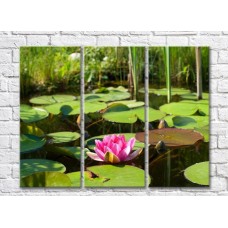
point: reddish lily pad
(172, 137)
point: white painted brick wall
(9, 101)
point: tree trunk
(199, 73)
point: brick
(134, 40)
(174, 33)
(219, 99)
(177, 41)
(107, 33)
(9, 127)
(157, 41)
(213, 57)
(215, 42)
(219, 71)
(9, 70)
(108, 41)
(4, 141)
(213, 86)
(223, 56)
(35, 32)
(218, 184)
(8, 157)
(223, 114)
(38, 40)
(12, 41)
(15, 145)
(5, 99)
(213, 142)
(16, 113)
(223, 86)
(214, 114)
(222, 170)
(140, 33)
(5, 33)
(219, 156)
(211, 33)
(73, 40)
(5, 56)
(15, 171)
(213, 170)
(218, 128)
(9, 185)
(15, 99)
(5, 113)
(5, 171)
(13, 85)
(16, 55)
(223, 142)
(71, 33)
(3, 84)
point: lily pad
(187, 122)
(46, 179)
(64, 136)
(73, 152)
(172, 137)
(90, 143)
(163, 91)
(193, 96)
(31, 130)
(202, 105)
(75, 178)
(30, 114)
(91, 107)
(198, 173)
(29, 143)
(128, 116)
(205, 132)
(115, 176)
(129, 103)
(108, 89)
(46, 100)
(111, 96)
(179, 109)
(30, 166)
(153, 114)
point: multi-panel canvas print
(114, 117)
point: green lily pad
(193, 96)
(205, 132)
(129, 103)
(30, 166)
(111, 96)
(202, 105)
(73, 107)
(163, 91)
(90, 143)
(187, 122)
(128, 116)
(46, 100)
(30, 114)
(75, 178)
(198, 173)
(46, 179)
(115, 176)
(64, 136)
(31, 130)
(172, 137)
(29, 143)
(108, 89)
(179, 109)
(73, 152)
(153, 114)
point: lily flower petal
(94, 156)
(134, 154)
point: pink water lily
(114, 149)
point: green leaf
(90, 143)
(202, 105)
(198, 173)
(73, 152)
(129, 103)
(64, 136)
(172, 137)
(204, 131)
(128, 116)
(91, 107)
(153, 114)
(187, 122)
(75, 178)
(46, 179)
(29, 143)
(163, 91)
(31, 130)
(46, 100)
(30, 166)
(30, 114)
(115, 176)
(179, 109)
(193, 96)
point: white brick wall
(9, 102)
